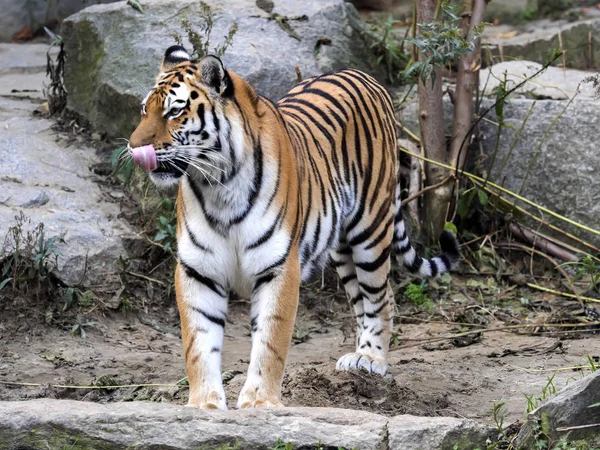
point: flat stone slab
(554, 83)
(23, 69)
(50, 182)
(46, 423)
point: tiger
(267, 194)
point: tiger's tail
(407, 255)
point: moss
(84, 56)
(545, 423)
(43, 438)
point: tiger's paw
(254, 397)
(357, 361)
(211, 400)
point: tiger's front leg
(273, 312)
(202, 305)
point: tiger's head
(182, 117)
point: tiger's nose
(140, 138)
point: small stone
(96, 136)
(39, 200)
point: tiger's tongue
(145, 157)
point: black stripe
(376, 312)
(373, 289)
(256, 187)
(368, 232)
(416, 264)
(214, 319)
(381, 235)
(193, 238)
(348, 278)
(372, 266)
(266, 235)
(209, 283)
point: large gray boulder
(580, 40)
(572, 414)
(114, 51)
(36, 13)
(553, 83)
(564, 173)
(45, 423)
(50, 182)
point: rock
(554, 83)
(115, 51)
(581, 40)
(564, 176)
(51, 184)
(565, 415)
(416, 433)
(47, 423)
(507, 10)
(35, 13)
(22, 73)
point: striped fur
(267, 194)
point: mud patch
(322, 386)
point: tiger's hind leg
(364, 267)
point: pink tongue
(145, 157)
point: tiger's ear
(176, 54)
(215, 76)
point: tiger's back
(342, 131)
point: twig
(558, 369)
(428, 188)
(538, 149)
(508, 192)
(144, 277)
(540, 242)
(546, 224)
(62, 386)
(562, 294)
(421, 341)
(414, 183)
(543, 255)
(578, 427)
(412, 135)
(501, 99)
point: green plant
(548, 390)
(30, 257)
(55, 92)
(77, 297)
(388, 48)
(441, 42)
(166, 230)
(586, 267)
(499, 414)
(122, 164)
(79, 326)
(280, 445)
(200, 40)
(415, 293)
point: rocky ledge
(45, 423)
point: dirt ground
(460, 377)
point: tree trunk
(431, 123)
(467, 82)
